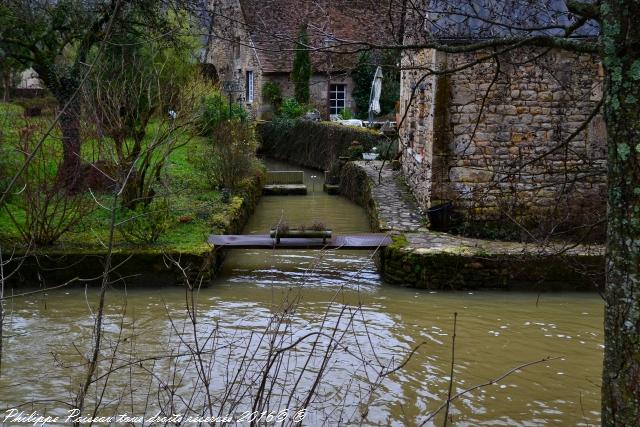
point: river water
(330, 305)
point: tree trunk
(621, 368)
(69, 171)
(6, 86)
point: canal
(348, 332)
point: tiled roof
(482, 19)
(275, 24)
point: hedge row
(312, 144)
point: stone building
(252, 42)
(492, 136)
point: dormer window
(236, 47)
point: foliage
(362, 76)
(47, 210)
(229, 157)
(346, 114)
(48, 104)
(317, 226)
(301, 72)
(136, 81)
(291, 109)
(390, 93)
(272, 93)
(313, 144)
(5, 167)
(387, 149)
(355, 151)
(145, 224)
(72, 31)
(10, 118)
(216, 109)
(182, 185)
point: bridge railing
(284, 177)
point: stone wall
(355, 185)
(456, 268)
(140, 265)
(232, 53)
(318, 91)
(489, 137)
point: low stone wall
(425, 259)
(440, 263)
(312, 144)
(136, 266)
(355, 186)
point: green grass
(195, 210)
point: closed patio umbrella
(374, 97)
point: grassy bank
(194, 208)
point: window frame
(249, 86)
(336, 89)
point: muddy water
(377, 326)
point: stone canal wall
(136, 265)
(425, 259)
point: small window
(249, 86)
(337, 98)
(236, 47)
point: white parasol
(374, 97)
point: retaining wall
(432, 260)
(148, 265)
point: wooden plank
(263, 241)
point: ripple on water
(378, 324)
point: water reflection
(370, 326)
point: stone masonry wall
(416, 112)
(490, 137)
(318, 91)
(232, 53)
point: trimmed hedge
(312, 144)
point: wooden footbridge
(368, 241)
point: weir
(367, 241)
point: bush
(362, 76)
(313, 144)
(44, 211)
(272, 93)
(47, 104)
(230, 157)
(6, 167)
(301, 72)
(145, 224)
(387, 149)
(346, 114)
(291, 109)
(216, 109)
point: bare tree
(485, 32)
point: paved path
(398, 210)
